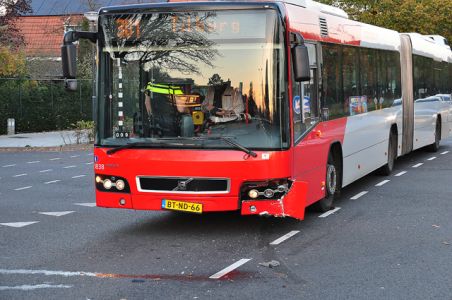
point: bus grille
(185, 185)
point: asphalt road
(393, 242)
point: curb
(66, 148)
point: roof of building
(64, 7)
(44, 34)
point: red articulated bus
(262, 107)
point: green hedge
(43, 105)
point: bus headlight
(120, 184)
(273, 189)
(107, 184)
(253, 194)
(111, 183)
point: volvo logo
(182, 185)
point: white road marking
(46, 273)
(56, 158)
(445, 152)
(18, 224)
(383, 182)
(90, 163)
(400, 174)
(33, 162)
(7, 166)
(26, 287)
(69, 167)
(78, 176)
(56, 213)
(329, 212)
(284, 237)
(90, 204)
(44, 171)
(23, 188)
(72, 156)
(432, 158)
(20, 175)
(52, 181)
(418, 165)
(359, 195)
(232, 267)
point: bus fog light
(253, 194)
(282, 188)
(122, 201)
(120, 185)
(98, 179)
(253, 209)
(107, 184)
(269, 193)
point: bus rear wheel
(332, 185)
(435, 146)
(386, 170)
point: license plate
(182, 206)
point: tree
(9, 11)
(12, 64)
(425, 17)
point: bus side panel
(366, 141)
(311, 155)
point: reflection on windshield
(193, 75)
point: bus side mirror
(69, 61)
(300, 61)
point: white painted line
(417, 165)
(7, 166)
(359, 195)
(230, 268)
(53, 181)
(33, 162)
(20, 175)
(400, 174)
(445, 152)
(44, 171)
(90, 163)
(383, 182)
(26, 287)
(330, 212)
(46, 273)
(72, 156)
(69, 167)
(56, 213)
(56, 158)
(23, 188)
(90, 204)
(432, 158)
(18, 224)
(78, 176)
(284, 237)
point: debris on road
(270, 264)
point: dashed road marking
(232, 267)
(445, 152)
(90, 204)
(284, 237)
(69, 167)
(330, 212)
(418, 165)
(27, 287)
(383, 182)
(78, 176)
(52, 181)
(89, 163)
(359, 195)
(45, 171)
(23, 188)
(432, 158)
(73, 156)
(18, 224)
(56, 213)
(20, 175)
(33, 162)
(8, 166)
(55, 158)
(400, 174)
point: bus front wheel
(332, 185)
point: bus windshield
(191, 76)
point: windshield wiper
(129, 146)
(225, 139)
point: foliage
(84, 131)
(12, 64)
(9, 11)
(425, 17)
